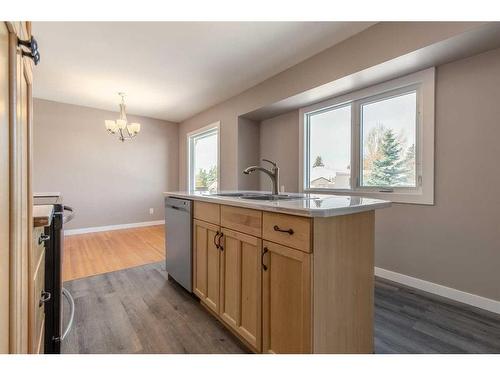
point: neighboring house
(322, 177)
(322, 182)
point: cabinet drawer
(209, 212)
(38, 248)
(243, 220)
(289, 230)
(39, 310)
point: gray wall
(456, 242)
(107, 181)
(375, 45)
(248, 152)
(279, 141)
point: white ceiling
(171, 70)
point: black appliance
(54, 252)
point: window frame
(423, 83)
(205, 131)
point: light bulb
(110, 125)
(121, 124)
(135, 127)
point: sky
(397, 113)
(330, 131)
(331, 138)
(205, 155)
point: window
(388, 131)
(376, 142)
(203, 156)
(330, 148)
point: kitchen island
(287, 275)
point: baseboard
(440, 290)
(69, 232)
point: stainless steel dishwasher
(178, 224)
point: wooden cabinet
(15, 187)
(37, 282)
(209, 212)
(206, 265)
(286, 300)
(254, 271)
(242, 220)
(292, 231)
(4, 188)
(240, 285)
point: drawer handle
(215, 240)
(220, 238)
(278, 229)
(264, 267)
(44, 297)
(43, 238)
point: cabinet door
(20, 195)
(286, 300)
(240, 291)
(4, 188)
(206, 263)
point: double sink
(261, 196)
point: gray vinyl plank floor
(138, 310)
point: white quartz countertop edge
(333, 204)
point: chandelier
(121, 126)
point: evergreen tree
(410, 165)
(318, 162)
(201, 178)
(206, 178)
(212, 175)
(389, 169)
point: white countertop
(311, 205)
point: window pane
(330, 149)
(205, 167)
(388, 139)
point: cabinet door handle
(215, 240)
(44, 297)
(278, 229)
(264, 267)
(43, 238)
(220, 238)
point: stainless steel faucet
(274, 173)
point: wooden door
(286, 299)
(206, 263)
(240, 288)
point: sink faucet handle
(270, 161)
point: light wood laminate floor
(101, 252)
(139, 311)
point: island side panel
(343, 283)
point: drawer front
(39, 311)
(209, 212)
(289, 230)
(38, 247)
(242, 220)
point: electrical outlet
(151, 211)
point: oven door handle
(71, 214)
(71, 302)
